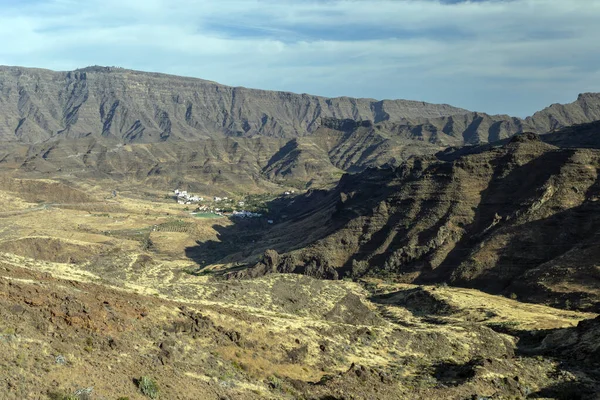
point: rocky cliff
(133, 106)
(518, 218)
(140, 107)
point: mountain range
(427, 251)
(165, 131)
(140, 107)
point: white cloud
(497, 56)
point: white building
(245, 214)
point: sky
(497, 56)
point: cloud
(496, 56)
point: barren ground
(86, 303)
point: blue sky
(497, 56)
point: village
(252, 206)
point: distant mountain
(140, 107)
(476, 128)
(219, 165)
(131, 106)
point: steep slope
(139, 107)
(475, 128)
(521, 218)
(230, 163)
(210, 166)
(585, 109)
(338, 146)
(135, 106)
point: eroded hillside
(134, 106)
(139, 107)
(98, 291)
(520, 218)
(224, 165)
(376, 263)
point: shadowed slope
(518, 218)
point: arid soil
(86, 310)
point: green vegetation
(146, 243)
(129, 234)
(258, 202)
(175, 225)
(62, 396)
(207, 215)
(148, 387)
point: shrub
(148, 387)
(147, 243)
(61, 396)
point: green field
(206, 215)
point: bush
(146, 243)
(148, 387)
(62, 396)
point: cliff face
(132, 106)
(476, 128)
(140, 107)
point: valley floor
(96, 293)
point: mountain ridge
(516, 218)
(146, 107)
(143, 107)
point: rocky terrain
(165, 131)
(419, 251)
(89, 312)
(70, 336)
(519, 218)
(222, 165)
(138, 107)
